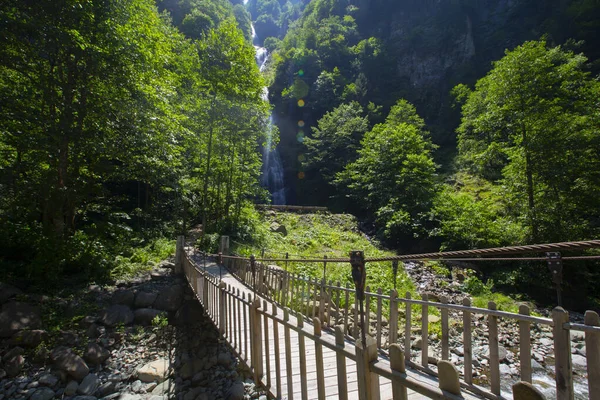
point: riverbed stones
(43, 394)
(96, 354)
(235, 392)
(88, 386)
(48, 380)
(16, 316)
(71, 388)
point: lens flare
(300, 175)
(300, 103)
(301, 158)
(301, 123)
(301, 73)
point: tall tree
(532, 124)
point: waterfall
(272, 171)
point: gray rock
(165, 388)
(417, 343)
(117, 314)
(96, 354)
(546, 342)
(235, 392)
(578, 361)
(145, 299)
(15, 351)
(84, 398)
(93, 331)
(157, 398)
(224, 359)
(71, 388)
(275, 227)
(124, 297)
(502, 353)
(89, 385)
(105, 389)
(13, 365)
(170, 299)
(42, 394)
(7, 292)
(65, 360)
(577, 336)
(154, 371)
(130, 396)
(17, 316)
(29, 338)
(144, 316)
(504, 369)
(136, 386)
(536, 366)
(459, 351)
(48, 380)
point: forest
(440, 125)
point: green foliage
(394, 175)
(142, 258)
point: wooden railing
(233, 314)
(326, 302)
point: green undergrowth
(142, 258)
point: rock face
(65, 360)
(170, 299)
(156, 371)
(16, 316)
(117, 314)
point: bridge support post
(562, 353)
(256, 343)
(400, 392)
(179, 249)
(224, 245)
(205, 294)
(222, 308)
(368, 382)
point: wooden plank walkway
(276, 367)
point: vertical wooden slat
(245, 331)
(341, 364)
(337, 303)
(525, 345)
(236, 320)
(346, 306)
(425, 332)
(277, 353)
(393, 317)
(367, 311)
(316, 296)
(288, 354)
(467, 343)
(562, 355)
(307, 313)
(355, 325)
(322, 301)
(268, 382)
(397, 363)
(379, 312)
(319, 360)
(407, 326)
(302, 355)
(287, 289)
(257, 341)
(493, 344)
(329, 303)
(222, 310)
(445, 330)
(592, 346)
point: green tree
(531, 124)
(394, 175)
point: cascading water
(272, 173)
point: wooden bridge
(283, 327)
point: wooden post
(425, 332)
(368, 382)
(592, 346)
(222, 308)
(467, 343)
(526, 391)
(341, 364)
(494, 352)
(393, 317)
(319, 360)
(256, 340)
(445, 330)
(562, 353)
(397, 363)
(179, 254)
(448, 376)
(525, 345)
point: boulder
(106, 389)
(144, 316)
(65, 360)
(117, 314)
(278, 228)
(89, 385)
(144, 299)
(164, 389)
(169, 299)
(578, 361)
(29, 338)
(433, 319)
(7, 292)
(154, 371)
(71, 388)
(13, 365)
(96, 354)
(124, 297)
(48, 380)
(16, 316)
